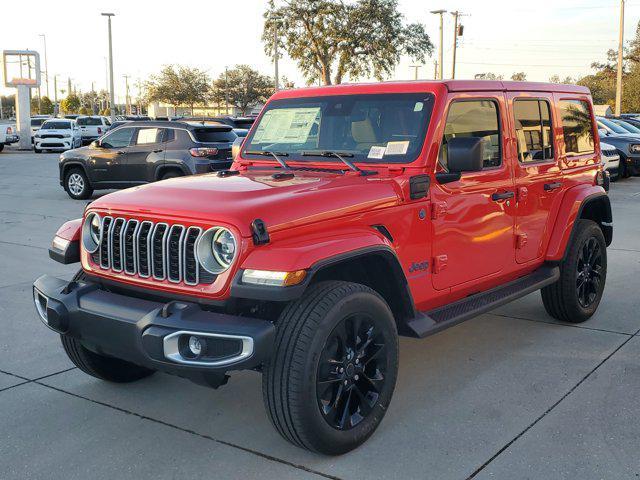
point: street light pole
(441, 49)
(127, 100)
(620, 61)
(415, 71)
(226, 92)
(111, 93)
(46, 63)
(455, 42)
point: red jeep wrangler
(352, 214)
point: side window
(578, 130)
(474, 118)
(118, 139)
(169, 135)
(149, 135)
(533, 130)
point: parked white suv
(610, 160)
(3, 137)
(57, 134)
(92, 127)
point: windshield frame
(429, 97)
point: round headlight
(216, 250)
(91, 232)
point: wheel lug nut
(357, 361)
(346, 382)
(341, 370)
(356, 377)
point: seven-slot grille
(147, 249)
(609, 153)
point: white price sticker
(376, 152)
(397, 148)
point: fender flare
(170, 166)
(70, 164)
(317, 256)
(572, 208)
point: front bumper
(633, 164)
(148, 333)
(54, 143)
(212, 165)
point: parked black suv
(143, 152)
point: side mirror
(464, 154)
(95, 144)
(602, 132)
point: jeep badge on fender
(307, 257)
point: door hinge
(438, 209)
(521, 240)
(522, 193)
(439, 263)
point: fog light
(195, 346)
(41, 305)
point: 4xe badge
(419, 267)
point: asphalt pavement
(512, 394)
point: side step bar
(433, 321)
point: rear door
(473, 218)
(538, 176)
(143, 156)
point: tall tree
(335, 39)
(556, 79)
(242, 87)
(519, 77)
(70, 104)
(487, 76)
(178, 86)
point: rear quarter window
(577, 127)
(213, 135)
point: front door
(473, 217)
(538, 177)
(108, 156)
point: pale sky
(541, 38)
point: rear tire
(576, 295)
(100, 366)
(334, 367)
(77, 184)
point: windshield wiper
(329, 153)
(275, 155)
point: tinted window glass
(576, 123)
(213, 135)
(474, 118)
(89, 121)
(149, 135)
(169, 135)
(374, 128)
(56, 125)
(533, 130)
(36, 122)
(119, 138)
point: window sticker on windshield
(397, 148)
(286, 125)
(418, 107)
(376, 152)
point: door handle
(502, 196)
(552, 186)
(120, 152)
(157, 151)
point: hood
(55, 131)
(308, 197)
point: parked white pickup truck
(92, 127)
(3, 137)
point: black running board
(433, 321)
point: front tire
(37, 150)
(576, 295)
(100, 366)
(334, 367)
(77, 184)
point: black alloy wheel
(589, 272)
(351, 372)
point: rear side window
(578, 130)
(533, 130)
(149, 135)
(213, 135)
(119, 138)
(89, 122)
(474, 118)
(169, 135)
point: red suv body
(352, 213)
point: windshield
(91, 121)
(627, 126)
(56, 126)
(36, 122)
(387, 128)
(612, 126)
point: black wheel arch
(164, 168)
(377, 267)
(69, 164)
(596, 207)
